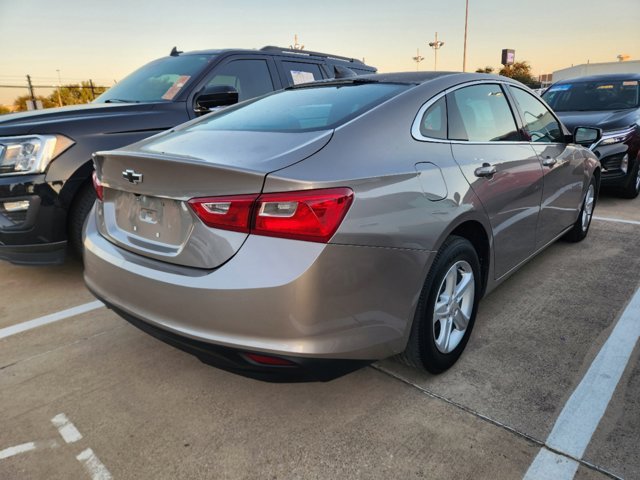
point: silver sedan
(311, 231)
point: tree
(520, 71)
(76, 93)
(4, 109)
(486, 69)
(21, 102)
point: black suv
(612, 103)
(45, 155)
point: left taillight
(311, 215)
(97, 186)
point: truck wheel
(80, 208)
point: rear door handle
(485, 170)
(549, 161)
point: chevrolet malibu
(309, 232)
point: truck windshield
(302, 109)
(158, 81)
(593, 96)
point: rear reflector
(267, 360)
(228, 213)
(97, 186)
(311, 215)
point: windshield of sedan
(593, 96)
(158, 81)
(303, 109)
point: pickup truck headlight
(26, 154)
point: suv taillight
(311, 215)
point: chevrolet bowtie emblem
(132, 176)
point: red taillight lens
(97, 186)
(312, 215)
(268, 360)
(228, 213)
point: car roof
(602, 78)
(275, 50)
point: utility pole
(466, 23)
(33, 97)
(418, 59)
(436, 45)
(93, 92)
(59, 88)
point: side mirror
(215, 96)
(586, 136)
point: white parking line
(616, 220)
(585, 408)
(27, 447)
(93, 465)
(54, 317)
(68, 430)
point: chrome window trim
(415, 126)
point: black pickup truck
(45, 155)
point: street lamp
(466, 22)
(418, 59)
(436, 45)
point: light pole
(466, 22)
(436, 45)
(59, 88)
(418, 59)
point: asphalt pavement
(88, 396)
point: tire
(583, 222)
(80, 208)
(455, 264)
(632, 188)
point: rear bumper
(281, 297)
(32, 225)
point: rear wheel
(80, 208)
(447, 308)
(632, 188)
(581, 227)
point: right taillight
(311, 215)
(97, 186)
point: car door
(562, 166)
(503, 171)
(251, 76)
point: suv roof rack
(308, 53)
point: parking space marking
(68, 430)
(616, 220)
(93, 465)
(551, 466)
(27, 447)
(45, 320)
(585, 408)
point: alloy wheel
(587, 210)
(453, 307)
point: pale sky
(106, 40)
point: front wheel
(581, 227)
(632, 189)
(80, 208)
(447, 308)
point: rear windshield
(590, 96)
(159, 81)
(303, 109)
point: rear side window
(539, 123)
(434, 120)
(481, 113)
(250, 77)
(302, 109)
(301, 72)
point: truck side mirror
(215, 96)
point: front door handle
(485, 170)
(549, 161)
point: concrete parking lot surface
(89, 396)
